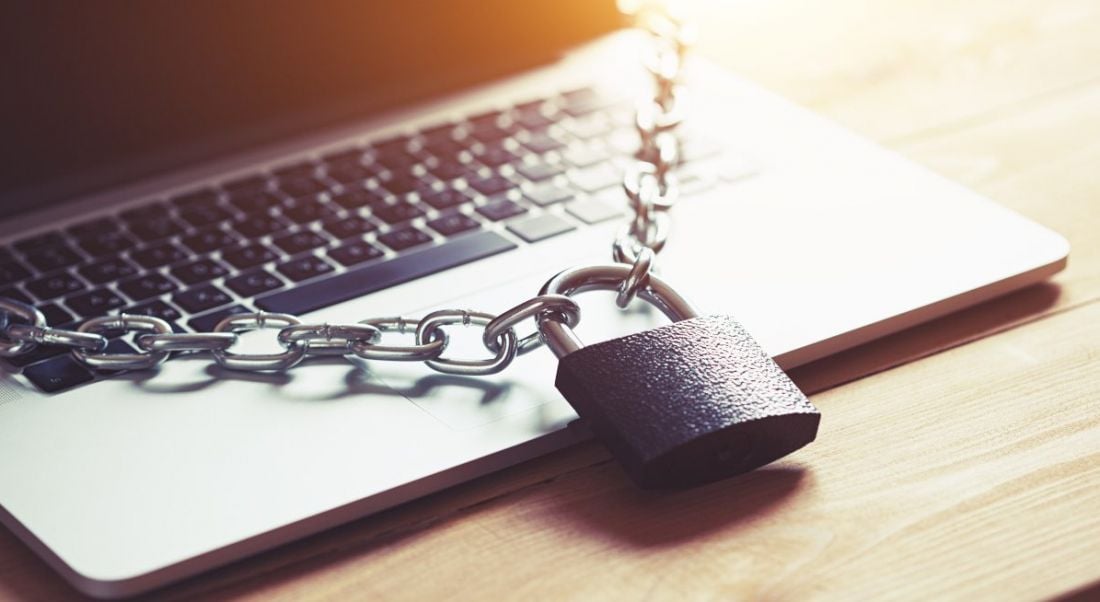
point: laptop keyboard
(319, 231)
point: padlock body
(687, 403)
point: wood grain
(966, 466)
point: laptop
(343, 161)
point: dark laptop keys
(105, 241)
(501, 209)
(347, 227)
(107, 270)
(445, 199)
(200, 299)
(158, 255)
(254, 201)
(248, 256)
(253, 283)
(255, 226)
(14, 293)
(11, 271)
(31, 243)
(145, 286)
(199, 271)
(204, 215)
(210, 239)
(491, 185)
(398, 212)
(57, 374)
(300, 187)
(404, 238)
(304, 268)
(305, 210)
(55, 315)
(99, 302)
(355, 252)
(454, 223)
(155, 227)
(53, 286)
(360, 197)
(52, 257)
(299, 242)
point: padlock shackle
(561, 339)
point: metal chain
(650, 186)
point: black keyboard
(322, 230)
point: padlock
(688, 403)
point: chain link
(649, 184)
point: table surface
(959, 459)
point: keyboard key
(548, 194)
(360, 197)
(347, 227)
(355, 252)
(155, 308)
(401, 184)
(495, 155)
(211, 239)
(404, 238)
(377, 276)
(260, 225)
(55, 315)
(348, 173)
(304, 268)
(96, 303)
(202, 216)
(245, 185)
(253, 283)
(398, 162)
(299, 242)
(107, 270)
(142, 287)
(52, 257)
(158, 255)
(144, 212)
(254, 202)
(249, 256)
(502, 209)
(155, 228)
(16, 295)
(11, 271)
(445, 199)
(105, 242)
(57, 374)
(454, 223)
(207, 322)
(347, 155)
(31, 243)
(298, 171)
(206, 197)
(542, 142)
(398, 212)
(200, 299)
(586, 155)
(539, 170)
(539, 227)
(199, 271)
(533, 119)
(592, 211)
(94, 227)
(450, 169)
(596, 178)
(303, 211)
(301, 187)
(54, 286)
(491, 185)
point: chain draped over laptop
(649, 183)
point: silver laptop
(190, 161)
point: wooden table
(959, 459)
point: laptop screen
(98, 93)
